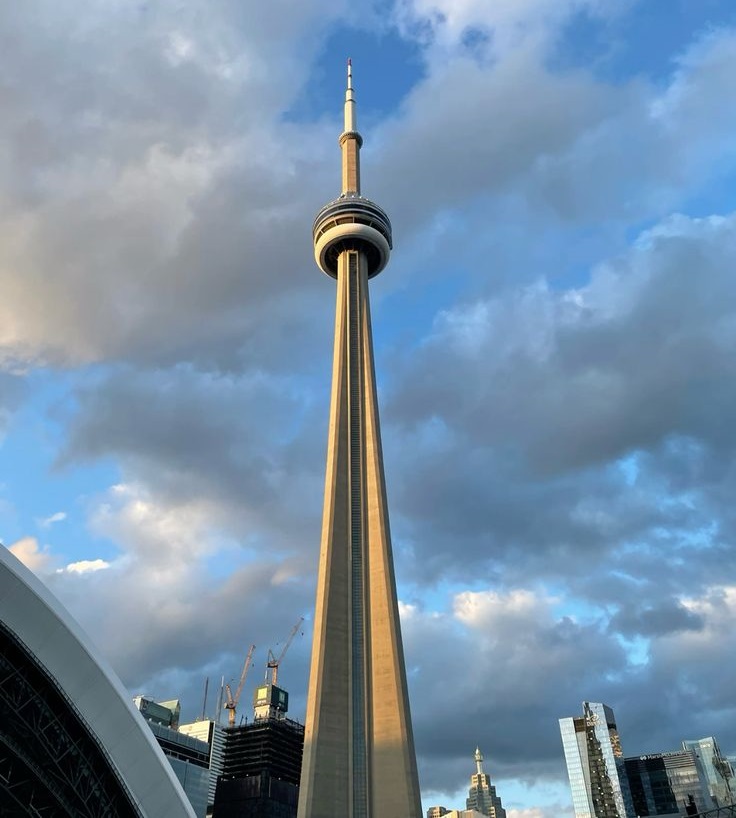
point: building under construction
(262, 762)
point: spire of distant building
(359, 757)
(482, 795)
(478, 761)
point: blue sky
(554, 341)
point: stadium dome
(71, 742)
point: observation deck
(352, 222)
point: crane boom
(273, 661)
(248, 659)
(232, 701)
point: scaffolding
(274, 745)
(261, 770)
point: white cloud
(537, 812)
(86, 566)
(506, 23)
(491, 610)
(37, 559)
(188, 594)
(167, 536)
(716, 609)
(130, 191)
(58, 517)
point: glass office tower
(714, 768)
(667, 784)
(595, 764)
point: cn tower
(359, 759)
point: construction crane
(232, 701)
(274, 661)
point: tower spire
(350, 101)
(350, 141)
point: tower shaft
(359, 752)
(359, 757)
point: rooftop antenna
(204, 703)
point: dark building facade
(261, 770)
(667, 784)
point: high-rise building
(188, 756)
(214, 735)
(437, 812)
(482, 794)
(262, 760)
(166, 713)
(595, 764)
(359, 759)
(261, 768)
(715, 769)
(667, 784)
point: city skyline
(607, 782)
(554, 349)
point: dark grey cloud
(655, 621)
(577, 436)
(585, 375)
(167, 627)
(572, 163)
(517, 667)
(237, 442)
(498, 653)
(150, 182)
(472, 129)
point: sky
(554, 336)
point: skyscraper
(667, 784)
(482, 795)
(261, 767)
(213, 734)
(261, 761)
(187, 755)
(715, 768)
(359, 757)
(595, 764)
